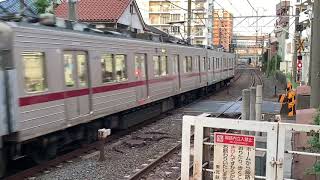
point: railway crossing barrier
(276, 133)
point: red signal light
(299, 64)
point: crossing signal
(299, 64)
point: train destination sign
(234, 157)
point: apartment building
(222, 29)
(171, 17)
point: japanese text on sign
(234, 157)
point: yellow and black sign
(289, 100)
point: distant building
(171, 17)
(105, 14)
(222, 29)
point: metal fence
(275, 150)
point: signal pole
(295, 48)
(315, 60)
(189, 22)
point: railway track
(255, 80)
(146, 170)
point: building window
(164, 19)
(175, 29)
(131, 9)
(165, 29)
(154, 19)
(198, 31)
(175, 17)
(199, 42)
(34, 72)
(114, 68)
(187, 63)
(160, 64)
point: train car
(62, 85)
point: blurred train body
(59, 86)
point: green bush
(42, 5)
(315, 144)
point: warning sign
(234, 157)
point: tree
(42, 5)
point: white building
(171, 17)
(305, 21)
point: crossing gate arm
(200, 123)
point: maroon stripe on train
(30, 100)
(114, 87)
(25, 101)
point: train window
(82, 69)
(204, 64)
(34, 72)
(140, 69)
(107, 68)
(217, 63)
(164, 65)
(160, 64)
(175, 64)
(68, 70)
(120, 67)
(114, 68)
(156, 65)
(187, 64)
(209, 63)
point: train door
(141, 76)
(176, 73)
(77, 96)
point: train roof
(86, 29)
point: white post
(102, 136)
(258, 104)
(245, 113)
(252, 105)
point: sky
(242, 8)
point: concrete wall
(303, 163)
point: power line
(251, 5)
(263, 16)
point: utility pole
(189, 22)
(257, 12)
(72, 10)
(269, 56)
(295, 48)
(315, 71)
(262, 51)
(276, 58)
(210, 22)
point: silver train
(59, 86)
